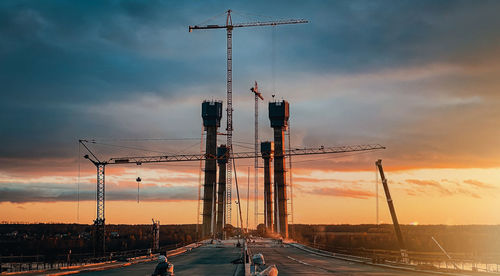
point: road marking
(304, 263)
(298, 261)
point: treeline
(470, 239)
(52, 239)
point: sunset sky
(419, 77)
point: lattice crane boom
(239, 155)
(250, 24)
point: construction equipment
(156, 236)
(446, 253)
(397, 229)
(229, 26)
(139, 160)
(267, 149)
(211, 114)
(99, 230)
(278, 116)
(221, 190)
(138, 180)
(290, 175)
(258, 96)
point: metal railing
(425, 260)
(58, 261)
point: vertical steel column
(266, 149)
(229, 110)
(99, 225)
(290, 173)
(256, 162)
(200, 184)
(156, 236)
(221, 190)
(100, 191)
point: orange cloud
(430, 183)
(342, 192)
(479, 184)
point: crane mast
(229, 26)
(229, 120)
(99, 238)
(258, 96)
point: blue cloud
(45, 192)
(63, 60)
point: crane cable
(78, 185)
(212, 18)
(333, 157)
(138, 180)
(253, 16)
(376, 193)
(237, 193)
(141, 139)
(144, 149)
(273, 59)
(128, 147)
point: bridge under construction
(221, 254)
(215, 198)
(221, 258)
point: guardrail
(49, 262)
(426, 260)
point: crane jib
(240, 155)
(251, 24)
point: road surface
(216, 260)
(293, 261)
(205, 260)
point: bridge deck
(216, 260)
(205, 260)
(293, 261)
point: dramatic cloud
(419, 77)
(447, 187)
(432, 184)
(341, 192)
(479, 184)
(384, 71)
(44, 193)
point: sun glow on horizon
(449, 196)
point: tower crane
(229, 26)
(99, 225)
(258, 96)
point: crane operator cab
(163, 268)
